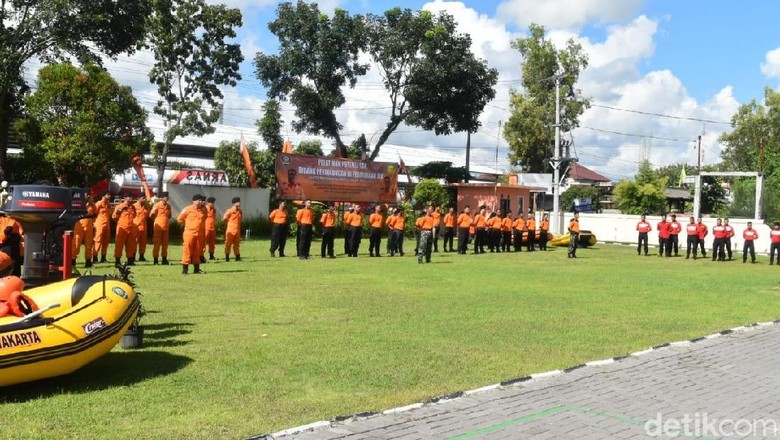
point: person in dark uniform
(464, 225)
(574, 234)
(278, 219)
(643, 228)
(304, 218)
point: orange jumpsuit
(202, 232)
(161, 213)
(124, 215)
(232, 218)
(102, 228)
(141, 215)
(191, 218)
(211, 229)
(83, 234)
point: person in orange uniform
(530, 224)
(232, 219)
(692, 241)
(375, 221)
(202, 231)
(518, 227)
(102, 228)
(574, 234)
(506, 232)
(643, 227)
(702, 233)
(749, 235)
(544, 226)
(774, 237)
(464, 228)
(347, 233)
(356, 231)
(83, 233)
(141, 218)
(436, 227)
(304, 218)
(480, 223)
(425, 224)
(328, 220)
(392, 246)
(161, 214)
(211, 227)
(399, 228)
(124, 215)
(449, 230)
(191, 218)
(278, 219)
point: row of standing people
(696, 232)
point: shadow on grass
(164, 334)
(115, 369)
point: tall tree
(89, 125)
(755, 127)
(227, 157)
(269, 127)
(432, 78)
(192, 59)
(528, 130)
(643, 195)
(51, 30)
(313, 147)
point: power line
(660, 115)
(601, 130)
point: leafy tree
(753, 124)
(579, 192)
(528, 131)
(640, 198)
(713, 196)
(432, 79)
(358, 148)
(192, 59)
(441, 170)
(88, 125)
(313, 147)
(227, 157)
(270, 125)
(52, 30)
(429, 192)
(673, 172)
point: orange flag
(287, 147)
(138, 166)
(248, 163)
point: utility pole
(468, 154)
(557, 223)
(697, 182)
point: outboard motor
(45, 213)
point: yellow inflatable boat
(65, 326)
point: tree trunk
(161, 164)
(5, 126)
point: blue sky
(688, 59)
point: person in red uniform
(643, 227)
(674, 231)
(449, 230)
(141, 217)
(663, 235)
(124, 215)
(749, 235)
(464, 226)
(718, 241)
(702, 228)
(210, 240)
(190, 217)
(692, 230)
(774, 236)
(161, 213)
(232, 219)
(727, 238)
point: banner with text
(329, 179)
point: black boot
(118, 262)
(94, 259)
(156, 261)
(165, 261)
(103, 259)
(203, 258)
(238, 257)
(197, 269)
(211, 256)
(131, 261)
(88, 263)
(141, 257)
(227, 257)
(185, 268)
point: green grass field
(264, 344)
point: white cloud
(771, 68)
(567, 14)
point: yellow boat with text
(74, 322)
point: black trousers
(661, 245)
(672, 244)
(717, 249)
(531, 241)
(304, 240)
(506, 241)
(693, 244)
(449, 238)
(398, 239)
(701, 246)
(436, 239)
(749, 247)
(356, 234)
(727, 244)
(772, 248)
(479, 241)
(543, 239)
(278, 238)
(374, 241)
(642, 243)
(326, 248)
(463, 240)
(517, 240)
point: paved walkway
(722, 386)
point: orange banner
(330, 179)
